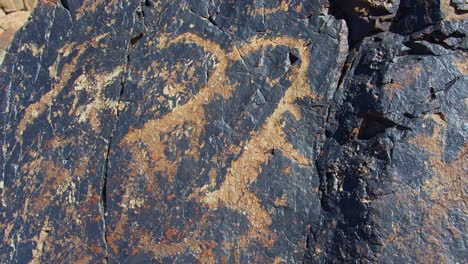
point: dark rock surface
(280, 131)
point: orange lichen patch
(450, 12)
(34, 110)
(94, 84)
(172, 234)
(462, 64)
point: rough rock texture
(13, 15)
(220, 131)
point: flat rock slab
(227, 132)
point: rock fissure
(64, 4)
(104, 185)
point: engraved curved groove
(234, 192)
(191, 113)
(152, 131)
(34, 110)
(163, 249)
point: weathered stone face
(227, 132)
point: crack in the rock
(104, 188)
(64, 4)
(135, 39)
(211, 20)
(103, 200)
(140, 12)
(374, 123)
(332, 175)
(346, 67)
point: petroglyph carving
(147, 144)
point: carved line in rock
(34, 110)
(234, 192)
(58, 178)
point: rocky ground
(212, 131)
(13, 15)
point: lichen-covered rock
(226, 132)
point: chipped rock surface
(282, 131)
